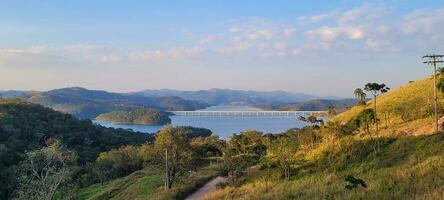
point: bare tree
(44, 170)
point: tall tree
(376, 89)
(360, 95)
(174, 144)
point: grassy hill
(403, 162)
(407, 109)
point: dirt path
(207, 188)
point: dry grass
(406, 168)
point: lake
(223, 126)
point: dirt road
(207, 188)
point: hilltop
(86, 103)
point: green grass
(92, 190)
(148, 184)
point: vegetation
(314, 105)
(139, 116)
(345, 159)
(26, 127)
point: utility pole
(432, 60)
(167, 177)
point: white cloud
(280, 46)
(424, 21)
(289, 31)
(234, 29)
(210, 39)
(324, 33)
(111, 58)
(267, 33)
(173, 53)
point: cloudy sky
(299, 46)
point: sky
(325, 48)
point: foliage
(360, 95)
(139, 116)
(174, 144)
(316, 104)
(44, 171)
(353, 182)
(26, 127)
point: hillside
(25, 126)
(139, 116)
(233, 97)
(86, 103)
(401, 162)
(406, 109)
(316, 104)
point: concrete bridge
(248, 113)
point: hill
(401, 162)
(139, 116)
(233, 97)
(86, 103)
(315, 105)
(407, 109)
(25, 126)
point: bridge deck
(246, 113)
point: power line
(432, 60)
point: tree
(331, 111)
(173, 143)
(440, 85)
(360, 96)
(376, 89)
(44, 170)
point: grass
(148, 184)
(410, 102)
(408, 166)
(92, 190)
(405, 168)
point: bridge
(249, 113)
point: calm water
(223, 126)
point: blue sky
(317, 47)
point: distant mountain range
(230, 97)
(85, 103)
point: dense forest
(139, 116)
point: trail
(207, 188)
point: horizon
(321, 49)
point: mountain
(314, 105)
(16, 94)
(86, 103)
(234, 97)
